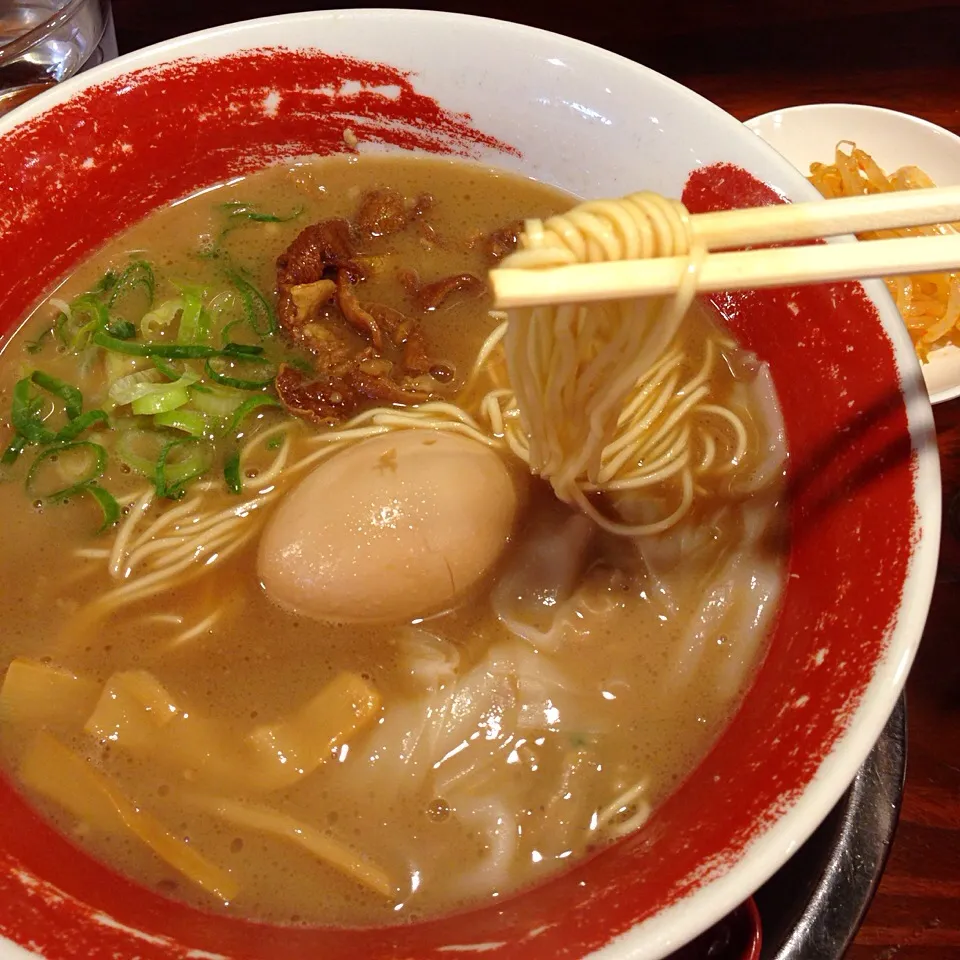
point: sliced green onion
(170, 463)
(166, 368)
(146, 396)
(238, 210)
(274, 443)
(137, 274)
(16, 446)
(121, 329)
(187, 421)
(107, 282)
(25, 414)
(76, 426)
(170, 369)
(258, 310)
(35, 346)
(171, 478)
(119, 365)
(234, 349)
(244, 373)
(107, 503)
(248, 406)
(129, 449)
(128, 388)
(60, 325)
(225, 332)
(89, 306)
(190, 318)
(58, 450)
(169, 351)
(72, 398)
(189, 288)
(161, 400)
(222, 302)
(231, 472)
(216, 401)
(87, 315)
(155, 320)
(25, 410)
(203, 326)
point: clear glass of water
(45, 41)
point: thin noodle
(608, 818)
(597, 399)
(594, 403)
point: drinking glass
(45, 41)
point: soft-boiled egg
(394, 528)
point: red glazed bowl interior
(87, 168)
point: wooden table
(751, 56)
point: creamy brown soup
(339, 773)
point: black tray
(812, 908)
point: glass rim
(20, 45)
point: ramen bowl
(97, 153)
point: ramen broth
(566, 713)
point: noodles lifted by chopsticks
(929, 303)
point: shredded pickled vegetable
(929, 303)
(338, 855)
(69, 780)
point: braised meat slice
(317, 250)
(307, 271)
(431, 296)
(363, 353)
(502, 242)
(328, 399)
(381, 213)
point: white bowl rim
(669, 928)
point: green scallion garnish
(137, 274)
(82, 450)
(35, 346)
(173, 472)
(16, 446)
(72, 398)
(121, 329)
(186, 421)
(238, 210)
(147, 348)
(167, 368)
(76, 426)
(190, 318)
(257, 308)
(25, 414)
(106, 283)
(162, 400)
(243, 373)
(107, 503)
(87, 315)
(231, 473)
(248, 406)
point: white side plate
(806, 134)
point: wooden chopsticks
(583, 283)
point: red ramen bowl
(92, 156)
